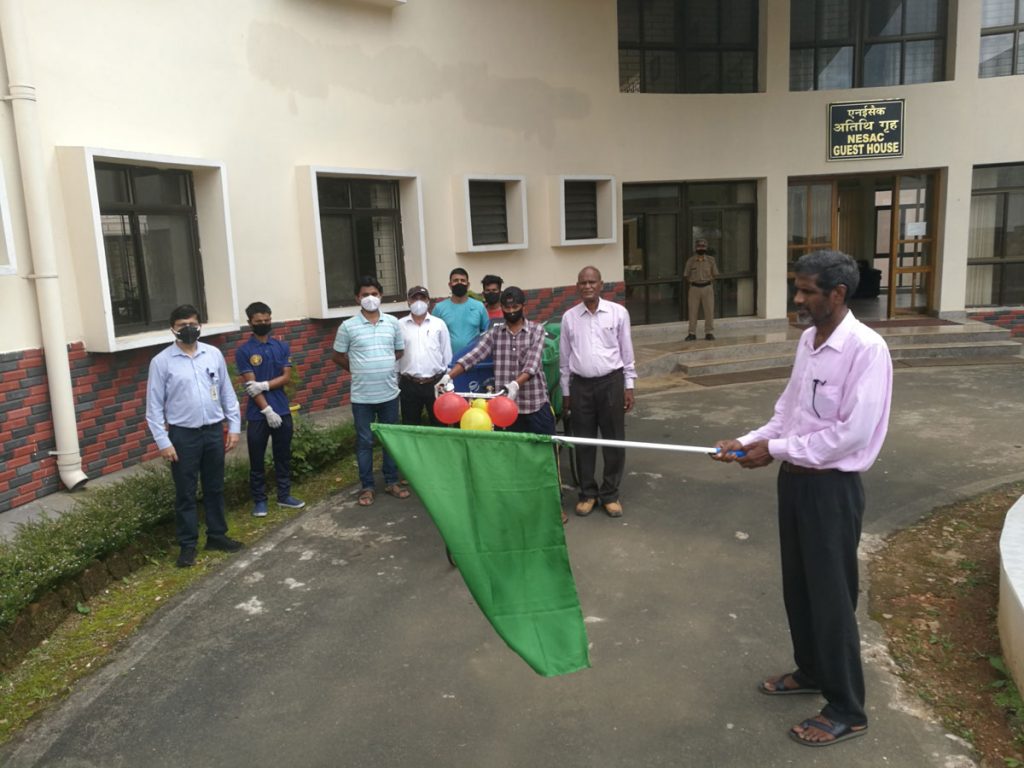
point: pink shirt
(594, 344)
(834, 412)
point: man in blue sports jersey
(265, 365)
(367, 346)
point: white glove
(253, 388)
(273, 420)
(444, 384)
(512, 389)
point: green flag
(495, 498)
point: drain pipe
(22, 96)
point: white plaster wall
(440, 88)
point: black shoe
(187, 557)
(223, 544)
(690, 337)
(709, 336)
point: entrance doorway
(661, 223)
(886, 222)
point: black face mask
(460, 290)
(491, 297)
(513, 317)
(189, 334)
(261, 329)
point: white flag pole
(634, 444)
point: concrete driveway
(345, 639)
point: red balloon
(503, 411)
(449, 407)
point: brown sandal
(397, 491)
(366, 497)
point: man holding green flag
(515, 562)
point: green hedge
(46, 552)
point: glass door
(912, 244)
(651, 253)
(812, 213)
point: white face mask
(370, 303)
(418, 308)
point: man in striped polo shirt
(367, 346)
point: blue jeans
(257, 435)
(363, 414)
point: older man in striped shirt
(367, 346)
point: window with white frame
(492, 215)
(584, 209)
(135, 224)
(361, 231)
(151, 244)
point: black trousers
(599, 406)
(257, 435)
(200, 455)
(413, 398)
(820, 518)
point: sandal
(397, 491)
(366, 497)
(838, 731)
(777, 686)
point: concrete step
(716, 367)
(774, 345)
(964, 349)
(950, 350)
(942, 335)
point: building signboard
(865, 130)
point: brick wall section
(110, 398)
(1011, 319)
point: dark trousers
(599, 405)
(257, 435)
(819, 529)
(415, 397)
(540, 422)
(200, 455)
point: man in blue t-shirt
(465, 317)
(265, 365)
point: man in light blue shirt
(188, 398)
(368, 346)
(465, 317)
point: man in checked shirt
(517, 347)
